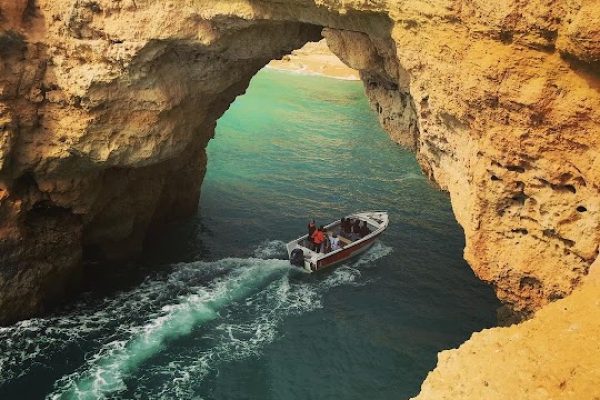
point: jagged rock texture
(106, 107)
(552, 356)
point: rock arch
(106, 107)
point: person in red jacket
(318, 238)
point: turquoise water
(219, 314)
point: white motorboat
(302, 256)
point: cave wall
(106, 107)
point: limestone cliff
(106, 107)
(552, 356)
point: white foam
(342, 275)
(379, 250)
(244, 300)
(271, 249)
(105, 372)
(350, 274)
(241, 339)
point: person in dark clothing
(364, 229)
(347, 229)
(356, 230)
(343, 227)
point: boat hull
(345, 254)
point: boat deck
(330, 229)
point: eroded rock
(552, 356)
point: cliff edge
(552, 356)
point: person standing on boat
(318, 238)
(312, 227)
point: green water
(219, 314)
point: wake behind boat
(301, 253)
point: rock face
(106, 107)
(552, 356)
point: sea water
(220, 314)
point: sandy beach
(315, 58)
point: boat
(302, 256)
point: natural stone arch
(109, 104)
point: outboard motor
(297, 258)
